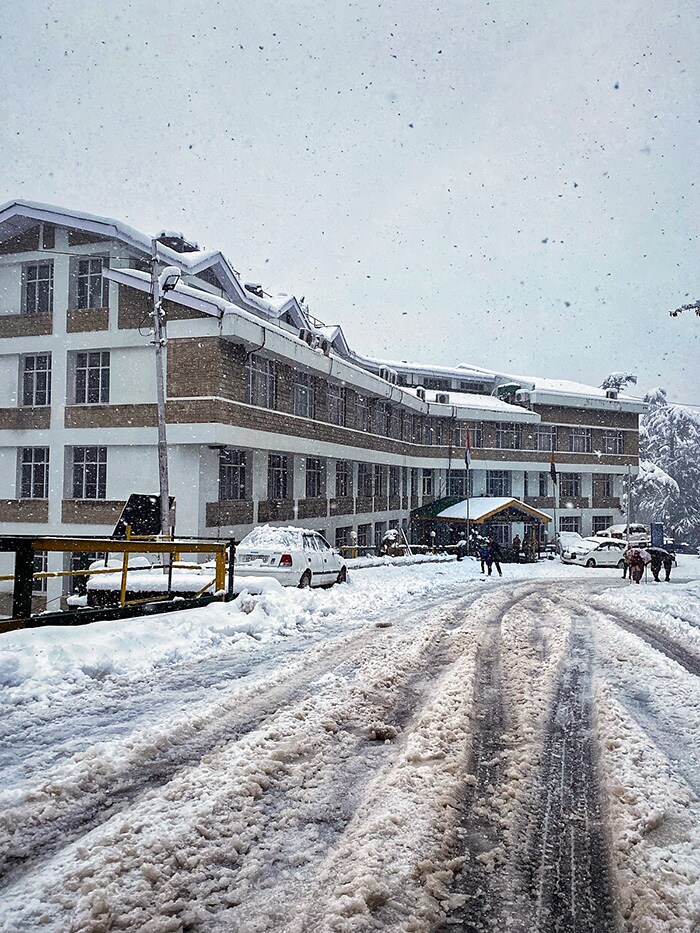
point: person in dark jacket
(496, 555)
(485, 556)
(655, 563)
(669, 562)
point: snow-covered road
(422, 749)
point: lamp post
(160, 284)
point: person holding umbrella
(659, 556)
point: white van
(639, 534)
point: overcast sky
(510, 184)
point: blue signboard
(657, 534)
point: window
(570, 523)
(342, 537)
(303, 401)
(315, 476)
(364, 536)
(364, 413)
(260, 381)
(34, 473)
(379, 532)
(569, 485)
(394, 481)
(459, 483)
(277, 476)
(36, 379)
(439, 431)
(80, 560)
(508, 435)
(336, 404)
(581, 440)
(601, 522)
(232, 469)
(543, 484)
(613, 442)
(382, 418)
(415, 478)
(428, 482)
(603, 486)
(92, 377)
(476, 387)
(441, 385)
(38, 288)
(500, 531)
(364, 480)
(92, 286)
(526, 485)
(343, 479)
(476, 435)
(546, 437)
(498, 483)
(89, 472)
(41, 565)
(379, 479)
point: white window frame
(37, 297)
(232, 474)
(91, 380)
(89, 472)
(33, 472)
(36, 380)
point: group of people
(637, 559)
(488, 549)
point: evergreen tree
(668, 486)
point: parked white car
(596, 552)
(639, 534)
(292, 556)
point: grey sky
(513, 184)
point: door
(331, 561)
(313, 559)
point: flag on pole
(468, 452)
(553, 469)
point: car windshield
(266, 538)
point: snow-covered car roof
(269, 536)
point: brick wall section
(133, 308)
(25, 419)
(91, 511)
(111, 416)
(341, 506)
(232, 512)
(313, 508)
(89, 319)
(25, 325)
(554, 414)
(206, 366)
(273, 510)
(24, 510)
(540, 502)
(26, 242)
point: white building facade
(271, 417)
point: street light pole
(160, 284)
(159, 341)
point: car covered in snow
(595, 552)
(292, 556)
(638, 534)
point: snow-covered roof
(476, 403)
(18, 216)
(483, 507)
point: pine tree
(667, 488)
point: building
(271, 416)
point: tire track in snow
(653, 637)
(567, 860)
(57, 816)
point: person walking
(669, 562)
(638, 561)
(626, 565)
(517, 545)
(655, 563)
(496, 555)
(485, 555)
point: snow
(270, 536)
(481, 506)
(297, 759)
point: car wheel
(342, 576)
(305, 581)
(590, 563)
(620, 565)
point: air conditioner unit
(307, 336)
(421, 394)
(324, 344)
(442, 398)
(390, 375)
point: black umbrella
(662, 552)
